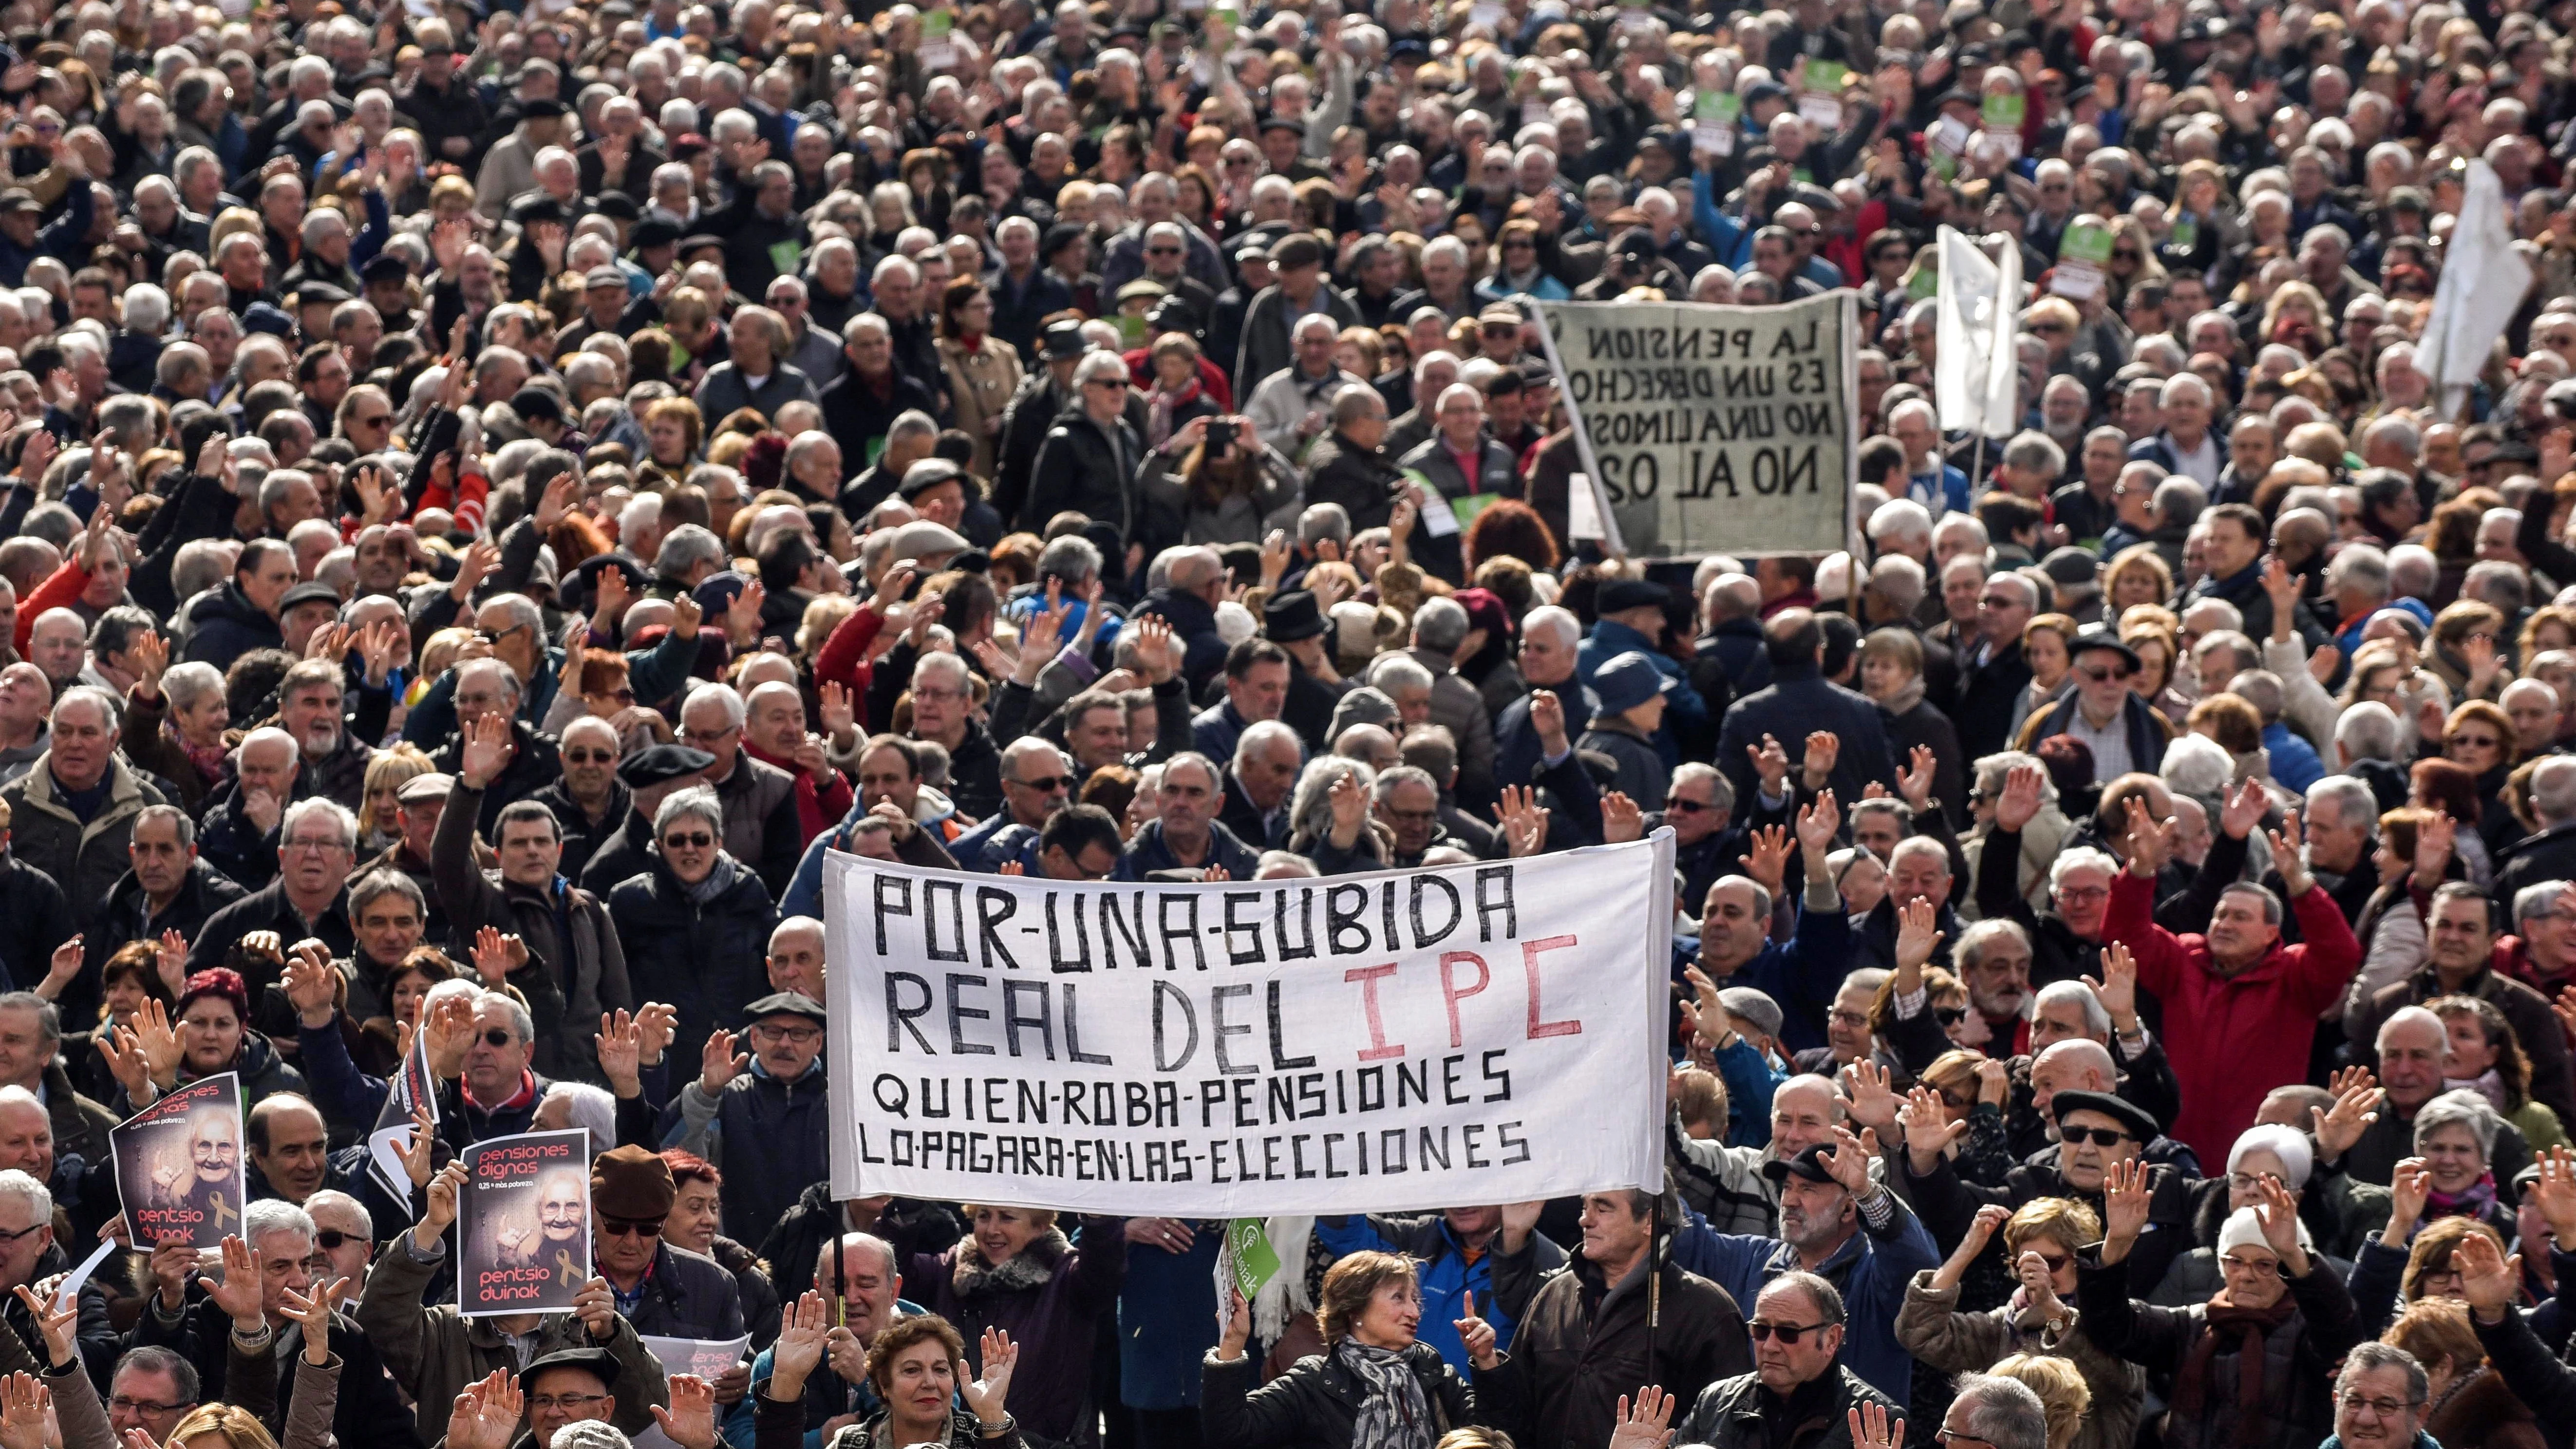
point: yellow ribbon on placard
(222, 1213)
(563, 1264)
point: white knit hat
(2243, 1230)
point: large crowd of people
(491, 497)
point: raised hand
(1350, 804)
(2488, 1279)
(1915, 781)
(1156, 654)
(2409, 1188)
(1547, 717)
(1646, 1425)
(158, 1041)
(1871, 1429)
(1817, 826)
(799, 1349)
(1850, 1159)
(26, 1406)
(2126, 1198)
(1981, 1230)
(1817, 766)
(621, 1051)
(237, 1292)
(1621, 819)
(1918, 935)
(2435, 838)
(718, 1063)
(313, 1313)
(988, 1394)
(1238, 1330)
(1767, 863)
(2278, 1213)
(2289, 854)
(2118, 988)
(691, 1420)
(441, 1208)
(486, 749)
(496, 956)
(2555, 1195)
(2357, 1097)
(1478, 1336)
(596, 1307)
(2149, 846)
(1874, 1102)
(57, 1323)
(1771, 765)
(1928, 1130)
(2244, 809)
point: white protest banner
(2483, 283)
(1714, 429)
(1387, 1042)
(1976, 373)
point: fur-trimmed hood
(1034, 1266)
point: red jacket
(819, 807)
(846, 659)
(61, 589)
(2232, 1039)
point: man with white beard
(311, 699)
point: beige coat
(980, 385)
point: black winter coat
(225, 625)
(35, 917)
(1363, 482)
(1316, 1403)
(1077, 469)
(709, 961)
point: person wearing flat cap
(1630, 618)
(666, 1292)
(1633, 697)
(433, 1354)
(650, 775)
(2124, 732)
(2095, 1132)
(1844, 1227)
(756, 1110)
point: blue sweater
(1871, 1269)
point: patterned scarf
(208, 760)
(2477, 1200)
(1395, 1414)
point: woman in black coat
(1891, 674)
(697, 922)
(1375, 1387)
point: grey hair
(1100, 367)
(1396, 775)
(1260, 735)
(725, 697)
(698, 800)
(2097, 1017)
(591, 1108)
(273, 1215)
(1310, 805)
(386, 882)
(2366, 1357)
(1441, 624)
(2352, 799)
(178, 818)
(49, 1017)
(1974, 940)
(342, 1199)
(1071, 558)
(522, 1025)
(109, 708)
(592, 1434)
(856, 1243)
(342, 821)
(24, 1187)
(2536, 899)
(2082, 857)
(1555, 620)
(2462, 1108)
(152, 1358)
(2370, 730)
(685, 547)
(2003, 1412)
(1396, 672)
(1323, 521)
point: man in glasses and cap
(434, 1354)
(1840, 1231)
(664, 1291)
(1799, 1332)
(760, 1116)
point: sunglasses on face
(2098, 1136)
(621, 1227)
(1046, 784)
(694, 840)
(498, 1037)
(1788, 1333)
(1685, 807)
(1949, 1015)
(591, 757)
(331, 1240)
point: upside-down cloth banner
(1395, 1041)
(1715, 429)
(179, 1167)
(525, 1223)
(1976, 373)
(2483, 283)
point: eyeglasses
(495, 636)
(591, 757)
(498, 1037)
(1044, 784)
(621, 1227)
(1162, 251)
(127, 1403)
(2055, 1263)
(1998, 601)
(1679, 806)
(693, 840)
(374, 420)
(707, 736)
(1949, 1015)
(1853, 1019)
(566, 1403)
(331, 1240)
(2098, 1136)
(319, 846)
(1787, 1333)
(2475, 742)
(799, 1035)
(9, 1237)
(1945, 1436)
(2384, 1408)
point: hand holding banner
(179, 1165)
(524, 1212)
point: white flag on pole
(1978, 305)
(2483, 281)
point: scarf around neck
(2245, 1329)
(1395, 1415)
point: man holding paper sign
(433, 1352)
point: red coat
(818, 807)
(2232, 1039)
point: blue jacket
(1871, 1269)
(1502, 1283)
(2294, 761)
(1952, 497)
(1799, 700)
(1215, 729)
(1167, 1320)
(1801, 974)
(1147, 852)
(1750, 1080)
(1610, 639)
